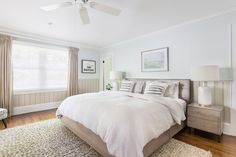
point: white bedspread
(126, 122)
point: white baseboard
(35, 108)
(228, 130)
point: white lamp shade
(205, 73)
(115, 75)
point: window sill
(37, 91)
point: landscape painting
(155, 60)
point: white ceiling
(138, 17)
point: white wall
(200, 43)
(232, 129)
(89, 54)
(191, 45)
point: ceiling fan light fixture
(85, 1)
(82, 5)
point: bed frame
(96, 142)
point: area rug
(51, 139)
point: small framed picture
(155, 60)
(88, 66)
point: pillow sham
(156, 87)
(138, 87)
(127, 86)
(172, 90)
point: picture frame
(88, 66)
(156, 60)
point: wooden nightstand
(206, 118)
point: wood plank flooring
(207, 141)
(227, 147)
(29, 118)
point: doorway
(106, 67)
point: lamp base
(115, 86)
(204, 96)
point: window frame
(40, 45)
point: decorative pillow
(138, 87)
(156, 87)
(172, 90)
(127, 86)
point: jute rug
(51, 139)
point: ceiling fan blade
(56, 6)
(105, 8)
(84, 15)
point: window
(37, 67)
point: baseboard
(228, 129)
(35, 108)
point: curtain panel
(6, 73)
(73, 80)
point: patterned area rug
(51, 139)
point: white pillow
(172, 90)
(155, 87)
(127, 86)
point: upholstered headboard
(184, 88)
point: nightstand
(206, 118)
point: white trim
(35, 108)
(228, 129)
(41, 45)
(43, 39)
(170, 28)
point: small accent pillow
(156, 87)
(127, 86)
(138, 87)
(172, 90)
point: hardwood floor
(227, 147)
(207, 141)
(29, 118)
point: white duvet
(126, 122)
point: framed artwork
(88, 66)
(155, 60)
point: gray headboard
(184, 88)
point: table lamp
(207, 73)
(115, 77)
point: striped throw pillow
(127, 86)
(138, 87)
(156, 87)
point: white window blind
(37, 67)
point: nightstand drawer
(205, 125)
(211, 115)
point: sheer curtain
(6, 73)
(73, 80)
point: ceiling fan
(82, 6)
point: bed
(101, 142)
